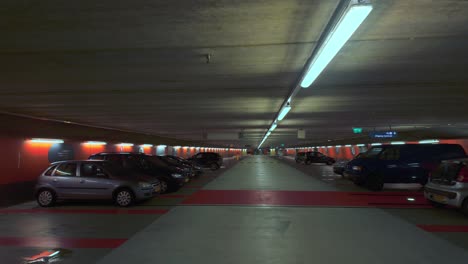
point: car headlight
(357, 168)
(177, 175)
(145, 185)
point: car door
(95, 181)
(200, 158)
(66, 181)
(391, 166)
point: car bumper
(445, 194)
(144, 194)
(353, 176)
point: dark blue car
(409, 163)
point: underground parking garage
(279, 131)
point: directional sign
(357, 130)
(383, 134)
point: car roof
(75, 161)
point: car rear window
(372, 153)
(447, 171)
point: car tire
(436, 204)
(375, 182)
(124, 197)
(46, 198)
(214, 166)
(329, 163)
(464, 207)
(164, 186)
(308, 162)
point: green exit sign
(357, 130)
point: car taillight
(462, 175)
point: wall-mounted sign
(60, 152)
(383, 134)
(357, 130)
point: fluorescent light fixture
(398, 143)
(125, 144)
(96, 143)
(284, 111)
(429, 141)
(146, 145)
(176, 147)
(46, 140)
(348, 23)
(161, 146)
(273, 126)
(268, 134)
(410, 199)
(376, 144)
(338, 146)
(347, 146)
(360, 145)
(329, 146)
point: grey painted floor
(235, 234)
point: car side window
(66, 170)
(50, 170)
(199, 156)
(390, 154)
(92, 170)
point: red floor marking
(61, 242)
(306, 198)
(83, 211)
(172, 196)
(194, 187)
(444, 228)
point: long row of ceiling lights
(354, 14)
(102, 143)
(427, 141)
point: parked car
(340, 166)
(196, 169)
(171, 178)
(186, 169)
(448, 185)
(409, 163)
(313, 157)
(211, 160)
(88, 179)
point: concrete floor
(247, 233)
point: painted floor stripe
(83, 211)
(444, 228)
(61, 242)
(307, 198)
(173, 196)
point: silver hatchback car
(448, 185)
(93, 179)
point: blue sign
(383, 134)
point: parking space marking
(84, 211)
(307, 198)
(444, 228)
(61, 242)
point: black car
(409, 163)
(171, 178)
(187, 168)
(313, 157)
(196, 169)
(210, 160)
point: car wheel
(329, 163)
(375, 182)
(436, 204)
(308, 162)
(214, 166)
(124, 197)
(46, 198)
(164, 186)
(464, 207)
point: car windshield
(372, 153)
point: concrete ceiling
(141, 65)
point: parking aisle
(247, 215)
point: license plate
(438, 198)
